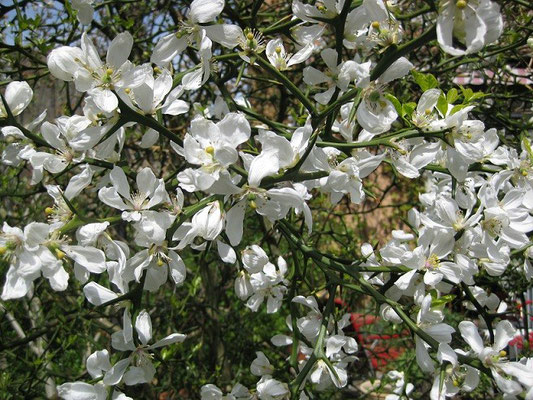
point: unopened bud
(460, 4)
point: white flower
(212, 147)
(269, 388)
(90, 74)
(260, 365)
(494, 357)
(334, 77)
(147, 98)
(190, 30)
(275, 51)
(211, 392)
(29, 257)
(375, 112)
(17, 96)
(137, 367)
(321, 10)
(475, 23)
(206, 223)
(151, 192)
(268, 283)
(346, 176)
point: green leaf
(477, 95)
(452, 95)
(441, 301)
(425, 81)
(395, 102)
(457, 108)
(408, 108)
(442, 104)
(467, 94)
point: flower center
(432, 262)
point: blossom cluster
(474, 219)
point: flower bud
(209, 221)
(461, 4)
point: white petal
(170, 339)
(143, 326)
(226, 252)
(119, 49)
(90, 258)
(97, 294)
(97, 363)
(203, 11)
(503, 335)
(17, 95)
(114, 375)
(110, 196)
(398, 69)
(226, 34)
(104, 99)
(120, 181)
(177, 267)
(471, 336)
